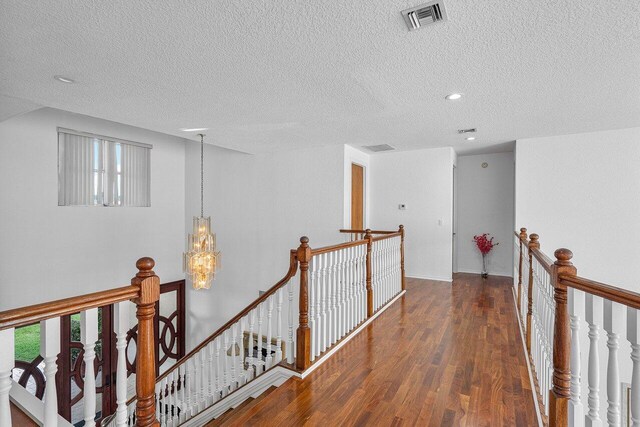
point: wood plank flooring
(443, 355)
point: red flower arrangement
(484, 243)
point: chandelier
(201, 260)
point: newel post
(533, 244)
(369, 238)
(523, 237)
(561, 392)
(149, 285)
(303, 334)
(401, 230)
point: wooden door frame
(364, 194)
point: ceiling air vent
(378, 148)
(470, 130)
(425, 14)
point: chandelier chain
(201, 175)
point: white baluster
(243, 351)
(158, 395)
(234, 359)
(323, 318)
(633, 335)
(225, 363)
(163, 402)
(343, 281)
(212, 373)
(219, 383)
(182, 374)
(251, 359)
(259, 362)
(89, 336)
(279, 293)
(290, 354)
(121, 325)
(613, 322)
(576, 309)
(7, 360)
(171, 401)
(313, 286)
(269, 358)
(189, 388)
(330, 297)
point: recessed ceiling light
(470, 138)
(193, 129)
(64, 79)
(453, 96)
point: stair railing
(144, 291)
(340, 287)
(557, 300)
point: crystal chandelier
(201, 260)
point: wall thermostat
(484, 165)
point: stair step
(19, 418)
(240, 409)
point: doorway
(357, 197)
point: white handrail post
(613, 323)
(49, 349)
(633, 335)
(576, 313)
(89, 336)
(121, 325)
(7, 360)
(593, 314)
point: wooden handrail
(27, 315)
(387, 236)
(293, 267)
(333, 248)
(612, 293)
(364, 231)
(543, 259)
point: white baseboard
(437, 279)
(31, 405)
(347, 338)
(498, 273)
(526, 357)
(274, 377)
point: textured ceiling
(282, 74)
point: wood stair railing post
(369, 238)
(561, 392)
(523, 238)
(401, 230)
(303, 334)
(533, 244)
(149, 293)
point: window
(96, 170)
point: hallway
(442, 355)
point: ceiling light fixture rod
(201, 174)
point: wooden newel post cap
(304, 240)
(533, 241)
(563, 256)
(401, 227)
(367, 232)
(145, 267)
(523, 230)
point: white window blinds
(94, 170)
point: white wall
(260, 206)
(423, 180)
(485, 205)
(582, 192)
(49, 252)
(353, 155)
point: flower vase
(484, 273)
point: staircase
(327, 295)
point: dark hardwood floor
(444, 354)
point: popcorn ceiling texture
(283, 74)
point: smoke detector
(425, 14)
(378, 148)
